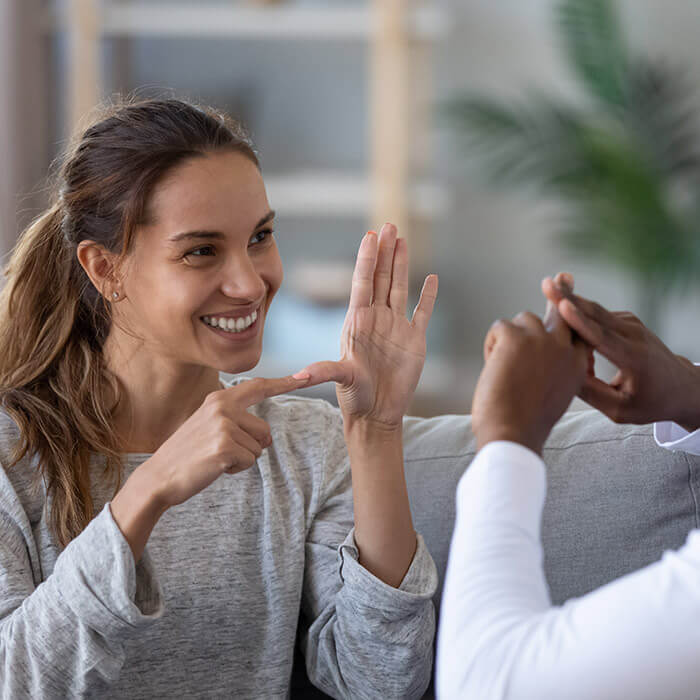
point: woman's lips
(237, 336)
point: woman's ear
(99, 265)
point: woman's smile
(235, 328)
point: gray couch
(615, 499)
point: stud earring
(115, 295)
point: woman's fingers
(241, 459)
(248, 442)
(256, 390)
(363, 276)
(256, 427)
(426, 303)
(398, 297)
(385, 258)
(328, 371)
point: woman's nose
(242, 280)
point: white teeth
(231, 325)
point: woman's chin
(240, 366)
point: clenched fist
(532, 371)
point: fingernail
(303, 374)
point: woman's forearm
(384, 531)
(136, 509)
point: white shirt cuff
(672, 437)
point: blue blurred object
(298, 333)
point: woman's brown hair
(54, 383)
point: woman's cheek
(273, 273)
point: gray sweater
(212, 609)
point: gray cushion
(615, 499)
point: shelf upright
(396, 110)
(389, 114)
(84, 79)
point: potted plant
(624, 163)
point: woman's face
(203, 271)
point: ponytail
(54, 382)
(51, 381)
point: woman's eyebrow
(188, 235)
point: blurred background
(508, 140)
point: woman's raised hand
(382, 352)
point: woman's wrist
(384, 531)
(136, 509)
(364, 429)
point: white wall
(499, 246)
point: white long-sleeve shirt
(500, 637)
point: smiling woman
(153, 272)
(222, 264)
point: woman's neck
(159, 396)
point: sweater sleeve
(361, 638)
(65, 636)
(501, 639)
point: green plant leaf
(626, 169)
(535, 143)
(595, 47)
(662, 117)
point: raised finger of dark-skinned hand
(529, 321)
(556, 325)
(525, 386)
(499, 330)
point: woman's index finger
(256, 390)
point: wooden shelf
(393, 32)
(320, 193)
(229, 21)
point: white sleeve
(499, 636)
(673, 437)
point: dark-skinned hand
(652, 383)
(532, 371)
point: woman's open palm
(382, 352)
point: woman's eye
(197, 252)
(261, 236)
